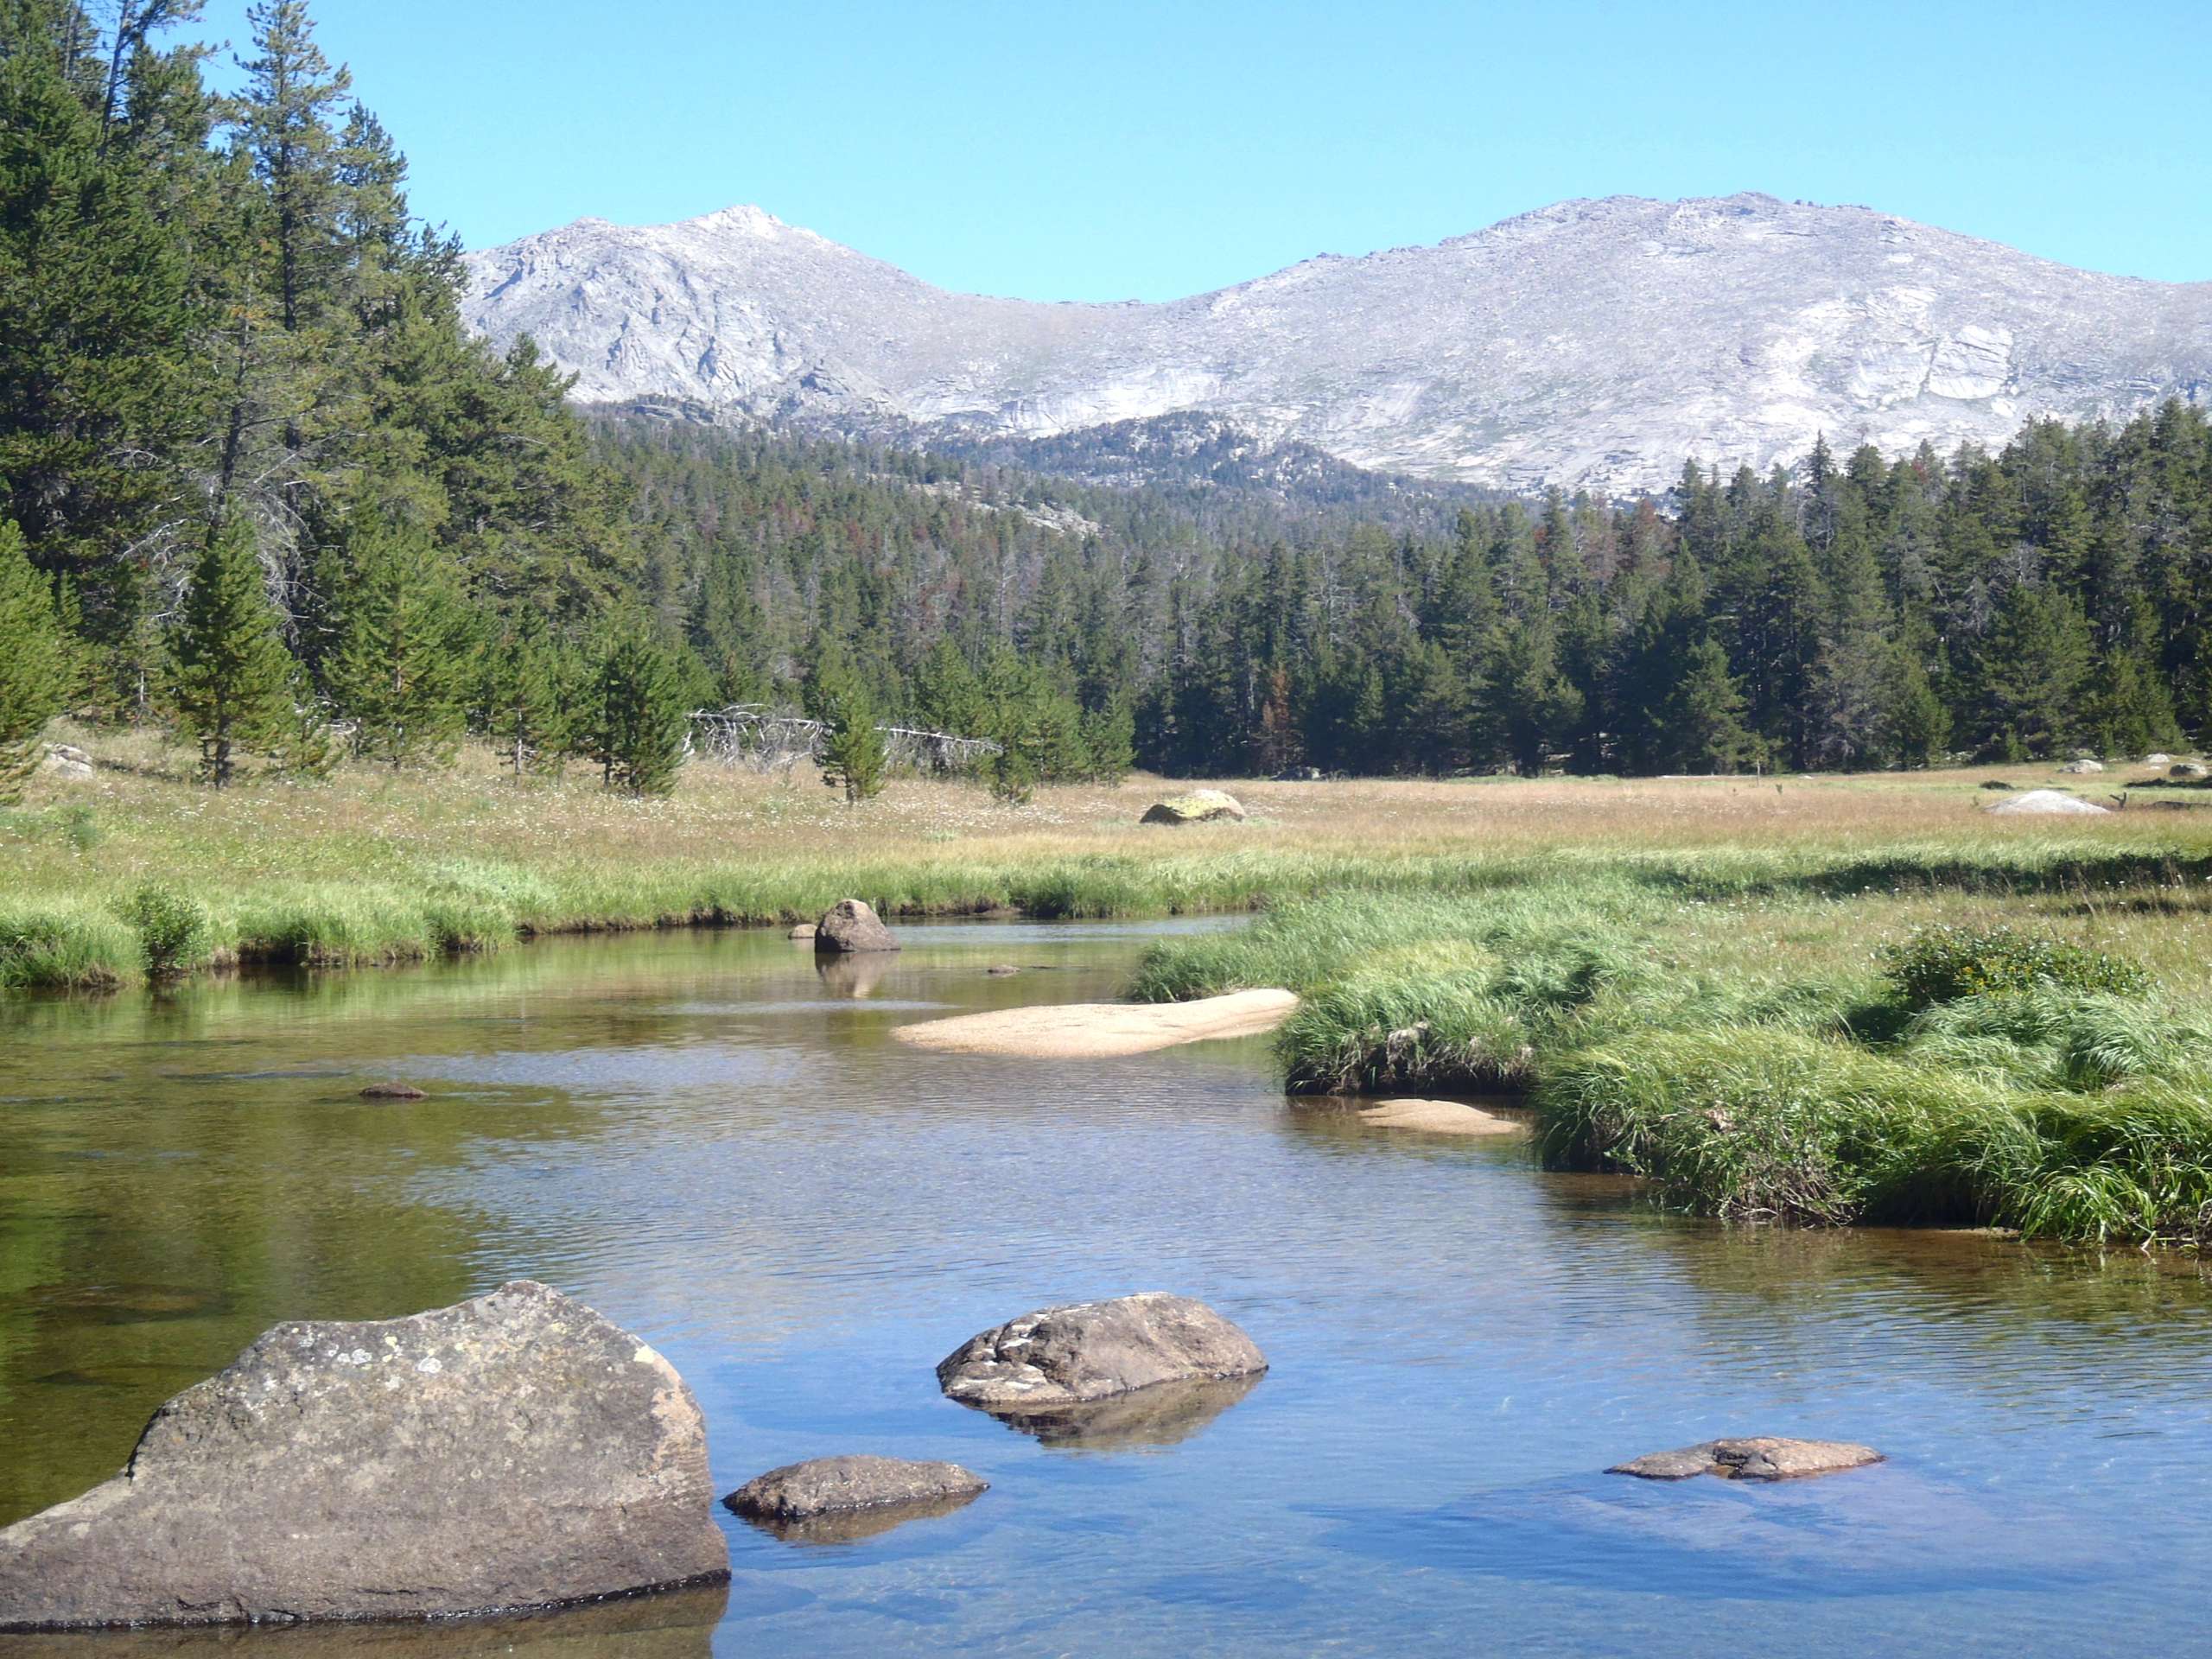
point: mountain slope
(1592, 343)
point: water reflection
(853, 1526)
(700, 1136)
(1166, 1413)
(671, 1625)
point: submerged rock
(804, 931)
(2046, 801)
(801, 1491)
(1438, 1117)
(1090, 1031)
(850, 925)
(1199, 806)
(392, 1091)
(514, 1451)
(1083, 1351)
(1758, 1457)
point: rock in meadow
(850, 926)
(1081, 1351)
(2083, 765)
(1199, 806)
(517, 1450)
(2046, 801)
(392, 1091)
(800, 1491)
(2157, 760)
(2187, 769)
(1757, 1458)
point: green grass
(1756, 1060)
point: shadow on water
(1876, 1532)
(672, 1624)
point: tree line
(256, 484)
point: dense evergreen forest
(257, 485)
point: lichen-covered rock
(799, 1491)
(1199, 806)
(1757, 1458)
(850, 925)
(517, 1450)
(1094, 1351)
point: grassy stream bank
(1766, 1044)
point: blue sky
(1146, 149)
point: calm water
(703, 1138)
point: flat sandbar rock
(1754, 1457)
(514, 1451)
(1085, 1031)
(800, 1491)
(1438, 1117)
(1081, 1351)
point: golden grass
(374, 864)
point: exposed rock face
(1760, 1457)
(66, 760)
(514, 1451)
(2046, 801)
(1591, 343)
(799, 1491)
(850, 926)
(1084, 1351)
(1199, 806)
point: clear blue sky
(1147, 148)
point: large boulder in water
(850, 925)
(514, 1451)
(1084, 1351)
(1199, 806)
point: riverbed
(719, 1146)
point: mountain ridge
(1596, 342)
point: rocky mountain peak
(1591, 343)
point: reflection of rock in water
(855, 976)
(1885, 1531)
(851, 1525)
(1160, 1415)
(673, 1624)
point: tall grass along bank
(1898, 1058)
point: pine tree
(637, 728)
(405, 657)
(230, 676)
(853, 757)
(527, 699)
(1108, 741)
(2035, 667)
(33, 662)
(1705, 713)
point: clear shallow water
(705, 1139)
